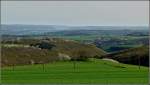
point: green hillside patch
(94, 71)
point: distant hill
(90, 32)
(25, 29)
(46, 50)
(19, 29)
(136, 56)
(138, 33)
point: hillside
(137, 56)
(26, 55)
(46, 50)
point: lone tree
(79, 55)
(46, 45)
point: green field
(94, 71)
(93, 37)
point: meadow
(93, 71)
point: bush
(43, 45)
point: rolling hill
(136, 56)
(39, 51)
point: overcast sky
(118, 13)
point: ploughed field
(94, 71)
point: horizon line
(81, 25)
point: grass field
(93, 37)
(94, 71)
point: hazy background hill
(47, 29)
(108, 38)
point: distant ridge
(19, 29)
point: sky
(76, 13)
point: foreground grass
(93, 71)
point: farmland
(75, 56)
(74, 42)
(68, 72)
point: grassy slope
(94, 71)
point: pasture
(94, 71)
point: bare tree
(13, 67)
(43, 66)
(139, 62)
